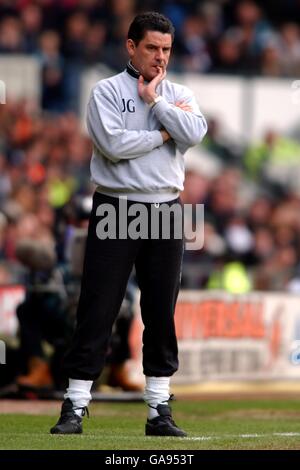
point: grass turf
(215, 424)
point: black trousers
(107, 267)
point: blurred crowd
(251, 196)
(216, 36)
(44, 180)
(250, 192)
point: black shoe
(163, 425)
(69, 422)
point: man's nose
(160, 55)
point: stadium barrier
(245, 107)
(21, 76)
(225, 337)
(222, 337)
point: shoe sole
(57, 431)
(153, 432)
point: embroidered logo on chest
(128, 105)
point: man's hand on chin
(148, 91)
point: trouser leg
(158, 269)
(107, 267)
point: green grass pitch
(211, 424)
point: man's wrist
(156, 100)
(165, 135)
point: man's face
(152, 51)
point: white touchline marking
(143, 438)
(243, 436)
(200, 438)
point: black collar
(132, 71)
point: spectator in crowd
(52, 72)
(274, 160)
(195, 57)
(31, 18)
(289, 50)
(43, 316)
(11, 37)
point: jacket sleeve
(107, 131)
(186, 128)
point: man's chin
(150, 76)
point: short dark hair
(149, 21)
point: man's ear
(130, 45)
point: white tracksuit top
(129, 156)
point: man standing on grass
(141, 125)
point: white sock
(79, 392)
(157, 391)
